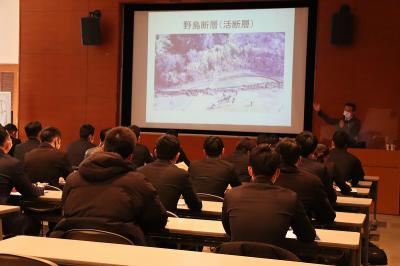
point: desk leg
(366, 238)
(1, 229)
(356, 255)
(376, 202)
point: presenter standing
(347, 122)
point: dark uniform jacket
(27, 146)
(240, 161)
(348, 166)
(170, 183)
(141, 155)
(318, 169)
(263, 212)
(212, 176)
(105, 189)
(46, 164)
(310, 191)
(76, 151)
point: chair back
(210, 197)
(18, 260)
(171, 214)
(96, 236)
(255, 249)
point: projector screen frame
(127, 54)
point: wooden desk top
(372, 178)
(350, 219)
(76, 252)
(209, 228)
(209, 207)
(367, 184)
(49, 195)
(354, 202)
(4, 209)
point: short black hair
(213, 146)
(49, 133)
(3, 135)
(245, 145)
(172, 132)
(32, 129)
(267, 138)
(264, 161)
(120, 140)
(307, 142)
(289, 151)
(352, 105)
(11, 127)
(86, 130)
(167, 147)
(135, 129)
(103, 133)
(341, 139)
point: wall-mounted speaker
(343, 26)
(90, 29)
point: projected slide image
(220, 72)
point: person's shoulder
(9, 161)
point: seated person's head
(5, 141)
(86, 131)
(32, 129)
(289, 151)
(245, 145)
(167, 148)
(341, 139)
(267, 138)
(135, 129)
(264, 164)
(321, 152)
(11, 129)
(307, 142)
(120, 140)
(52, 136)
(213, 146)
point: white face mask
(347, 115)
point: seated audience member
(308, 187)
(322, 153)
(99, 147)
(12, 131)
(47, 163)
(268, 139)
(76, 150)
(349, 166)
(260, 211)
(107, 190)
(308, 143)
(32, 130)
(12, 175)
(240, 158)
(141, 155)
(170, 181)
(212, 175)
(182, 156)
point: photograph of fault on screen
(221, 68)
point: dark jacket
(262, 212)
(318, 169)
(182, 157)
(77, 149)
(240, 161)
(27, 146)
(310, 191)
(106, 189)
(12, 175)
(141, 155)
(351, 127)
(170, 183)
(46, 164)
(348, 166)
(15, 142)
(212, 176)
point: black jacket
(240, 161)
(25, 147)
(212, 176)
(170, 183)
(310, 191)
(348, 166)
(106, 189)
(141, 155)
(47, 164)
(262, 212)
(76, 151)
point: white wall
(9, 31)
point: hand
(61, 181)
(317, 107)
